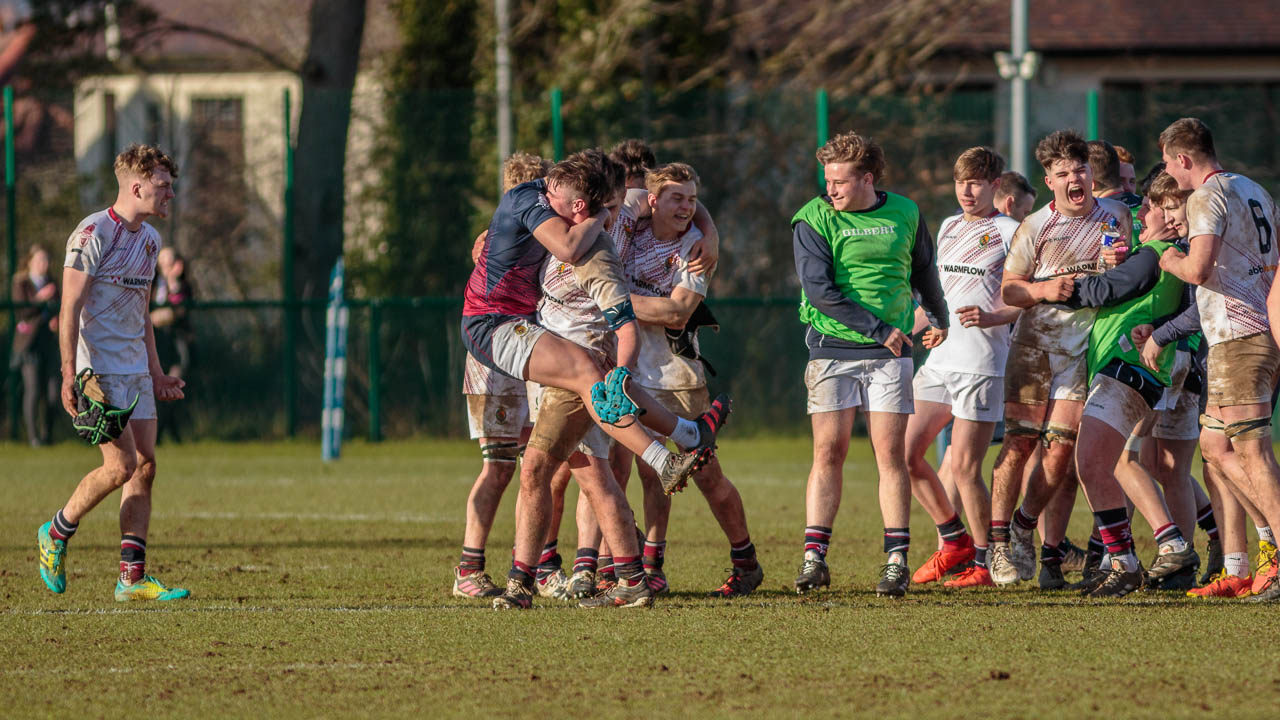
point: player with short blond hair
(104, 326)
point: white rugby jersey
(655, 268)
(1233, 301)
(971, 256)
(478, 379)
(1047, 245)
(113, 320)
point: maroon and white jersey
(1233, 301)
(1047, 245)
(478, 379)
(569, 309)
(971, 257)
(654, 268)
(121, 264)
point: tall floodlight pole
(503, 55)
(1018, 66)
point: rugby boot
(711, 422)
(973, 576)
(582, 584)
(675, 474)
(1051, 577)
(518, 596)
(1072, 557)
(1118, 581)
(893, 580)
(605, 583)
(627, 593)
(1093, 577)
(814, 574)
(1224, 585)
(53, 559)
(657, 581)
(1000, 564)
(944, 561)
(1270, 593)
(741, 583)
(148, 588)
(1174, 570)
(1022, 551)
(474, 585)
(1264, 575)
(1092, 560)
(554, 585)
(1214, 565)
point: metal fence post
(290, 366)
(1093, 114)
(823, 117)
(375, 371)
(557, 126)
(11, 230)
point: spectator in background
(35, 344)
(175, 340)
(1128, 176)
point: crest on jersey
(151, 247)
(670, 262)
(85, 234)
(985, 240)
(561, 268)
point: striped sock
(743, 554)
(1170, 535)
(523, 572)
(897, 541)
(133, 559)
(62, 528)
(1096, 547)
(654, 554)
(1050, 555)
(953, 533)
(1265, 534)
(606, 568)
(628, 567)
(1023, 520)
(1113, 525)
(472, 561)
(999, 531)
(586, 560)
(980, 555)
(550, 560)
(817, 539)
(1207, 521)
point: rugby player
(1128, 174)
(1014, 196)
(1232, 225)
(860, 252)
(962, 382)
(1045, 378)
(104, 325)
(665, 294)
(562, 215)
(1105, 163)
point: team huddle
(1108, 332)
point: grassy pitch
(324, 590)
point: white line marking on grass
(416, 518)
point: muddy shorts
(502, 342)
(562, 425)
(496, 416)
(1243, 371)
(120, 391)
(880, 385)
(1121, 396)
(1177, 415)
(1034, 377)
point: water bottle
(1110, 237)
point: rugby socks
(1265, 534)
(133, 558)
(550, 560)
(897, 541)
(953, 533)
(1207, 521)
(1113, 525)
(628, 567)
(1051, 555)
(686, 434)
(62, 528)
(1236, 564)
(1023, 520)
(522, 572)
(586, 560)
(1169, 536)
(999, 531)
(980, 555)
(743, 554)
(656, 456)
(607, 569)
(654, 554)
(472, 561)
(1095, 546)
(816, 540)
